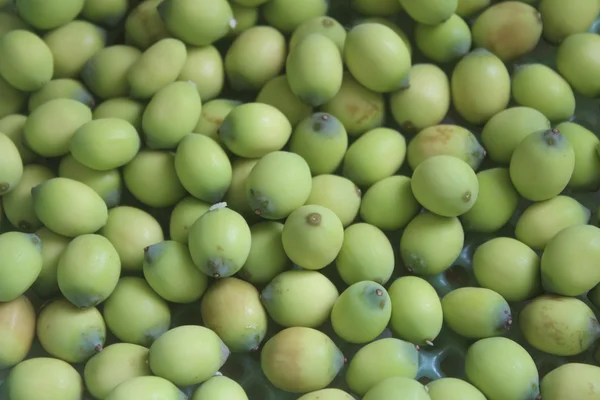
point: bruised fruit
(184, 214)
(337, 193)
(17, 331)
(577, 63)
(444, 42)
(586, 175)
(453, 389)
(561, 21)
(212, 116)
(571, 381)
(143, 387)
(20, 264)
(397, 387)
(220, 388)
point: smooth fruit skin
(53, 245)
(430, 12)
(397, 387)
(17, 331)
(11, 165)
(184, 214)
(561, 21)
(144, 387)
(586, 175)
(453, 389)
(571, 381)
(577, 62)
(445, 42)
(337, 193)
(220, 388)
(20, 265)
(327, 394)
(46, 15)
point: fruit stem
(313, 219)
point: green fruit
(317, 81)
(492, 362)
(253, 130)
(505, 130)
(232, 309)
(68, 207)
(586, 175)
(45, 15)
(212, 116)
(390, 203)
(198, 23)
(107, 13)
(236, 195)
(171, 273)
(365, 45)
(480, 86)
(560, 21)
(379, 360)
(453, 389)
(187, 355)
(323, 25)
(397, 387)
(445, 42)
(445, 185)
(358, 108)
(571, 381)
(467, 8)
(12, 100)
(366, 255)
(204, 67)
(41, 377)
(382, 8)
(277, 93)
(267, 257)
(219, 242)
(312, 237)
(220, 388)
(61, 88)
(144, 26)
(508, 267)
(124, 108)
(496, 202)
(9, 21)
(114, 365)
(542, 165)
(12, 126)
(11, 165)
(151, 178)
(300, 360)
(374, 156)
(450, 140)
(70, 333)
(576, 62)
(337, 193)
(249, 3)
(245, 18)
(327, 394)
(509, 30)
(279, 183)
(144, 387)
(53, 245)
(299, 298)
(50, 127)
(27, 62)
(425, 102)
(17, 330)
(134, 313)
(430, 12)
(184, 214)
(416, 310)
(393, 26)
(105, 73)
(287, 15)
(562, 326)
(541, 221)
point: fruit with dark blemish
(212, 116)
(337, 193)
(571, 381)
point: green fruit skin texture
(337, 193)
(106, 72)
(562, 326)
(204, 353)
(379, 360)
(327, 394)
(124, 108)
(576, 62)
(324, 25)
(300, 360)
(13, 100)
(108, 13)
(12, 126)
(20, 265)
(45, 15)
(287, 15)
(444, 42)
(586, 175)
(236, 194)
(143, 387)
(430, 12)
(561, 21)
(212, 116)
(144, 26)
(17, 331)
(53, 245)
(542, 165)
(277, 93)
(571, 381)
(204, 67)
(220, 388)
(397, 387)
(453, 389)
(61, 88)
(511, 363)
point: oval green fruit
(108, 13)
(61, 88)
(144, 26)
(184, 214)
(11, 165)
(444, 42)
(17, 330)
(560, 22)
(44, 376)
(220, 388)
(337, 193)
(26, 61)
(287, 15)
(397, 387)
(245, 18)
(277, 93)
(453, 389)
(212, 116)
(142, 387)
(45, 15)
(571, 381)
(586, 175)
(105, 73)
(576, 62)
(124, 108)
(236, 195)
(12, 100)
(468, 8)
(382, 8)
(204, 67)
(21, 263)
(323, 25)
(53, 245)
(12, 126)
(430, 12)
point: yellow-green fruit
(231, 307)
(105, 144)
(287, 15)
(323, 25)
(220, 388)
(337, 193)
(444, 42)
(393, 26)
(541, 221)
(170, 272)
(105, 73)
(9, 21)
(212, 116)
(236, 195)
(379, 360)
(144, 26)
(219, 242)
(451, 140)
(381, 8)
(358, 108)
(312, 237)
(577, 62)
(560, 21)
(480, 86)
(576, 326)
(68, 207)
(496, 202)
(184, 214)
(159, 65)
(88, 270)
(586, 175)
(17, 330)
(253, 130)
(70, 333)
(108, 13)
(255, 56)
(453, 389)
(397, 387)
(45, 15)
(508, 267)
(416, 310)
(50, 127)
(134, 313)
(366, 255)
(300, 360)
(279, 183)
(249, 3)
(197, 23)
(430, 12)
(365, 48)
(152, 179)
(12, 100)
(505, 130)
(492, 362)
(539, 86)
(143, 387)
(44, 377)
(277, 93)
(187, 355)
(203, 167)
(204, 67)
(509, 30)
(11, 165)
(542, 164)
(245, 18)
(425, 102)
(571, 381)
(124, 108)
(314, 69)
(61, 88)
(114, 365)
(467, 8)
(53, 245)
(267, 257)
(108, 184)
(12, 126)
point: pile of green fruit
(299, 199)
